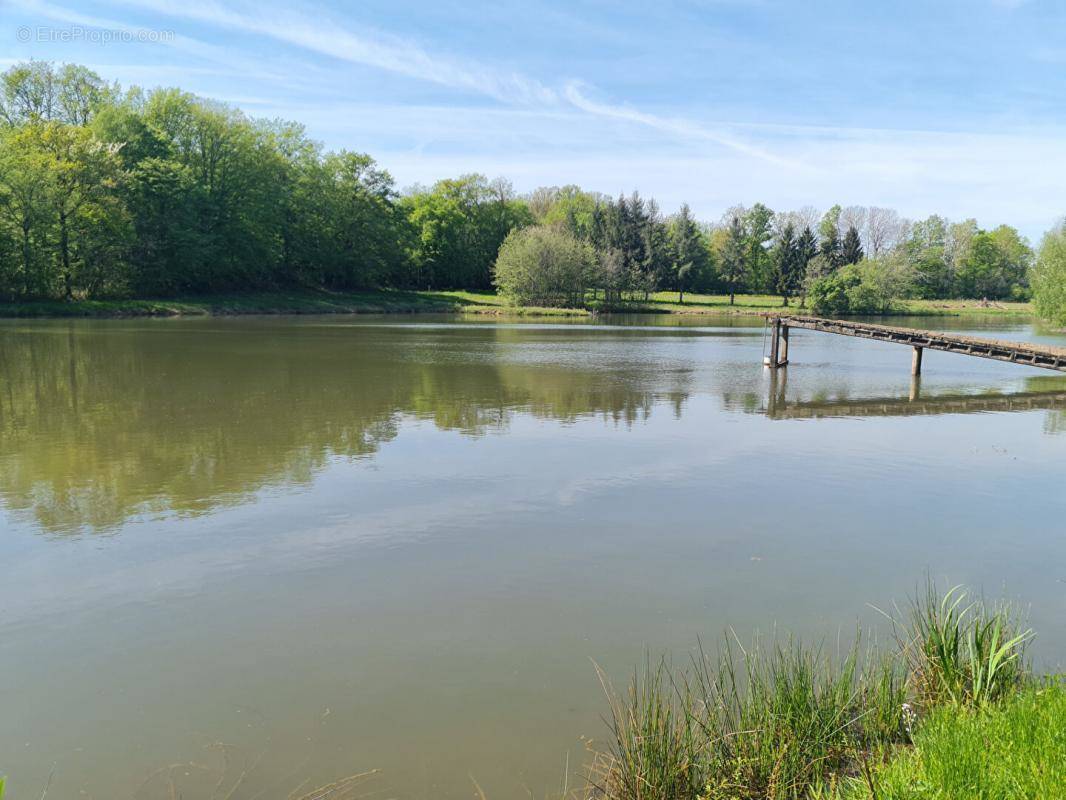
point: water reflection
(98, 424)
(1040, 394)
(104, 422)
(395, 543)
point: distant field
(454, 301)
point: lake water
(338, 544)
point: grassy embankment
(951, 713)
(446, 302)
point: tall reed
(780, 720)
(963, 651)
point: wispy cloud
(404, 57)
(676, 127)
(184, 44)
(374, 49)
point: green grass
(1016, 749)
(781, 720)
(307, 301)
(766, 721)
(296, 301)
(746, 303)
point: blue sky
(950, 107)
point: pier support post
(775, 343)
(916, 361)
(784, 347)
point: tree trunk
(681, 297)
(26, 257)
(732, 295)
(64, 250)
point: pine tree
(851, 250)
(831, 249)
(689, 256)
(733, 257)
(786, 263)
(806, 251)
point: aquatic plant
(963, 652)
(764, 721)
(780, 720)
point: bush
(1017, 749)
(543, 266)
(1049, 276)
(869, 287)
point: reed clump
(779, 719)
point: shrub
(870, 287)
(543, 266)
(1049, 276)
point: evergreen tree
(689, 256)
(851, 250)
(831, 249)
(757, 225)
(733, 257)
(806, 251)
(786, 261)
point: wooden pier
(1031, 355)
(780, 408)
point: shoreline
(306, 302)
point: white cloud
(675, 127)
(378, 50)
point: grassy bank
(703, 303)
(1014, 750)
(951, 711)
(299, 301)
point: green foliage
(767, 721)
(791, 257)
(732, 259)
(543, 266)
(758, 234)
(782, 718)
(1013, 750)
(1049, 276)
(869, 287)
(656, 740)
(783, 721)
(851, 247)
(995, 266)
(460, 225)
(963, 652)
(106, 193)
(690, 256)
(927, 250)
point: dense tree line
(112, 192)
(851, 259)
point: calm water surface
(337, 544)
